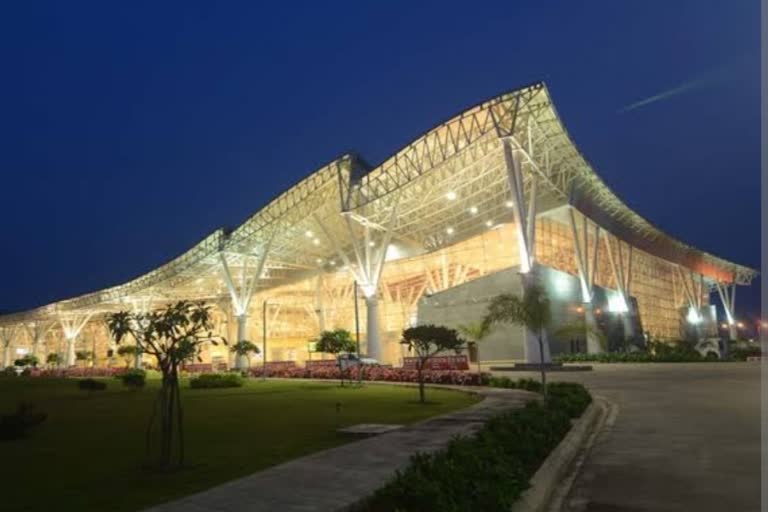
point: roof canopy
(445, 186)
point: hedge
(489, 470)
(378, 373)
(91, 385)
(216, 380)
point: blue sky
(131, 130)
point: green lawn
(88, 454)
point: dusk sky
(130, 131)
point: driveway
(685, 437)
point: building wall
(475, 267)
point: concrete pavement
(685, 437)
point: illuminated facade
(498, 194)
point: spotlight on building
(473, 210)
(449, 230)
(509, 204)
(451, 195)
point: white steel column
(37, 331)
(622, 275)
(729, 305)
(241, 294)
(367, 269)
(587, 266)
(524, 214)
(693, 288)
(71, 327)
(8, 334)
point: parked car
(351, 360)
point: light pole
(357, 339)
(264, 339)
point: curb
(547, 483)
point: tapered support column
(7, 336)
(69, 359)
(372, 327)
(241, 361)
(7, 356)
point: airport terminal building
(494, 198)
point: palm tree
(242, 350)
(476, 332)
(532, 311)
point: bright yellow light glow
(489, 223)
(449, 231)
(450, 195)
(316, 241)
(509, 204)
(473, 210)
(309, 234)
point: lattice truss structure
(506, 161)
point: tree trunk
(541, 363)
(420, 374)
(170, 418)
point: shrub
(742, 353)
(135, 378)
(16, 425)
(569, 397)
(91, 385)
(27, 360)
(488, 471)
(506, 382)
(217, 380)
(9, 371)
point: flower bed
(377, 373)
(76, 372)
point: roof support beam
(729, 305)
(8, 334)
(523, 209)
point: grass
(88, 454)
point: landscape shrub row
(91, 385)
(742, 353)
(490, 470)
(378, 373)
(216, 380)
(632, 357)
(506, 382)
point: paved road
(686, 438)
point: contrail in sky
(686, 86)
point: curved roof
(303, 229)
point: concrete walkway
(339, 477)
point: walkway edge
(551, 481)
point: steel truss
(503, 160)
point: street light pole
(264, 340)
(357, 339)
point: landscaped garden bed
(490, 470)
